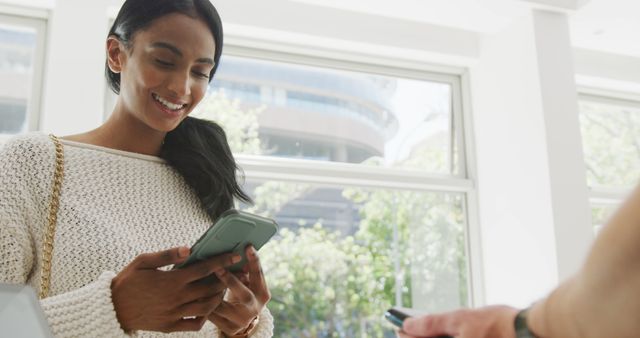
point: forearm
(84, 312)
(603, 299)
(554, 316)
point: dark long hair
(197, 149)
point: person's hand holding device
(486, 322)
(242, 234)
(397, 317)
(182, 299)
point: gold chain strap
(52, 218)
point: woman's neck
(123, 132)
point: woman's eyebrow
(168, 46)
(175, 50)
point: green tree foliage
(240, 124)
(325, 284)
(611, 139)
(431, 244)
(271, 197)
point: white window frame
(339, 175)
(598, 195)
(36, 19)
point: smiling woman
(148, 179)
(164, 72)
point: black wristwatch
(520, 324)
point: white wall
(607, 71)
(512, 162)
(74, 85)
(534, 208)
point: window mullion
(338, 174)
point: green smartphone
(232, 232)
(397, 315)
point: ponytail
(199, 151)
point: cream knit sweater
(114, 206)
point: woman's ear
(115, 54)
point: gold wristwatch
(247, 332)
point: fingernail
(252, 251)
(236, 259)
(220, 272)
(183, 252)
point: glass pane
(336, 265)
(600, 214)
(332, 115)
(17, 48)
(611, 139)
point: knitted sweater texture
(114, 206)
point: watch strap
(521, 327)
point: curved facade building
(313, 113)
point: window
(21, 60)
(324, 114)
(611, 139)
(333, 266)
(601, 212)
(364, 168)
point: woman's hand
(487, 322)
(248, 294)
(146, 298)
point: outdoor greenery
(611, 141)
(326, 284)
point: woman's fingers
(249, 294)
(257, 282)
(243, 306)
(198, 290)
(243, 277)
(201, 307)
(223, 323)
(240, 292)
(207, 267)
(189, 324)
(159, 259)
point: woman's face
(165, 72)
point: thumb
(430, 325)
(159, 259)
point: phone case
(395, 316)
(233, 231)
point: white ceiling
(611, 26)
(608, 25)
(485, 16)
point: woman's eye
(201, 75)
(164, 63)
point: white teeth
(168, 104)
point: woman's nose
(179, 84)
